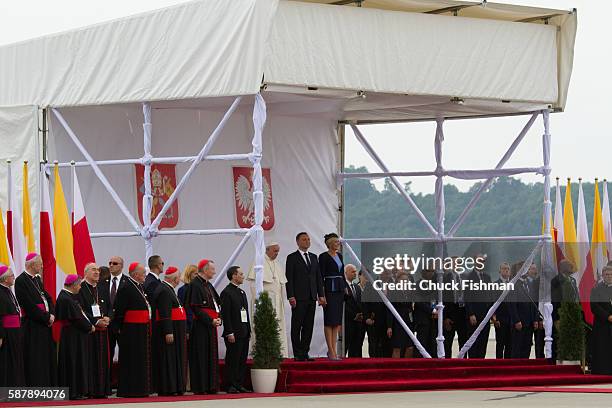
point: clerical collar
(134, 280)
(68, 292)
(171, 287)
(234, 284)
(91, 284)
(30, 275)
(8, 287)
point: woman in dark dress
(331, 266)
(401, 343)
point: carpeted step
(362, 363)
(384, 373)
(347, 385)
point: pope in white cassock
(274, 281)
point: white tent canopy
(317, 65)
(211, 48)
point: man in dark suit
(108, 292)
(523, 315)
(501, 318)
(426, 315)
(156, 267)
(354, 330)
(477, 304)
(563, 288)
(455, 315)
(538, 334)
(304, 287)
(236, 330)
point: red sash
(178, 313)
(41, 306)
(137, 316)
(211, 312)
(11, 321)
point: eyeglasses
(113, 263)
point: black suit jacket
(478, 302)
(150, 284)
(424, 305)
(233, 300)
(562, 290)
(104, 292)
(521, 307)
(352, 303)
(303, 283)
(502, 313)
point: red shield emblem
(163, 183)
(243, 198)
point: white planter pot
(264, 380)
(568, 362)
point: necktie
(113, 291)
(307, 259)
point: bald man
(132, 319)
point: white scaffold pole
(440, 213)
(259, 121)
(147, 198)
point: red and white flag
(607, 224)
(558, 235)
(14, 228)
(82, 248)
(47, 242)
(584, 271)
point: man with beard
(96, 310)
(203, 300)
(170, 336)
(74, 342)
(11, 351)
(40, 357)
(133, 322)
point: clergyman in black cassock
(95, 307)
(601, 339)
(132, 317)
(73, 353)
(170, 337)
(40, 355)
(236, 330)
(11, 351)
(203, 300)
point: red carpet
(376, 375)
(381, 375)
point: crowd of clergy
(166, 334)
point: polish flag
(47, 242)
(585, 277)
(14, 228)
(83, 250)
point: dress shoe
(244, 390)
(233, 390)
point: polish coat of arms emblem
(243, 197)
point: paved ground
(433, 399)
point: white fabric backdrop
(301, 152)
(19, 142)
(412, 53)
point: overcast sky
(581, 144)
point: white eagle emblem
(243, 190)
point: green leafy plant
(267, 346)
(571, 332)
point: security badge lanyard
(95, 308)
(243, 313)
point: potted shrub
(267, 355)
(571, 334)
